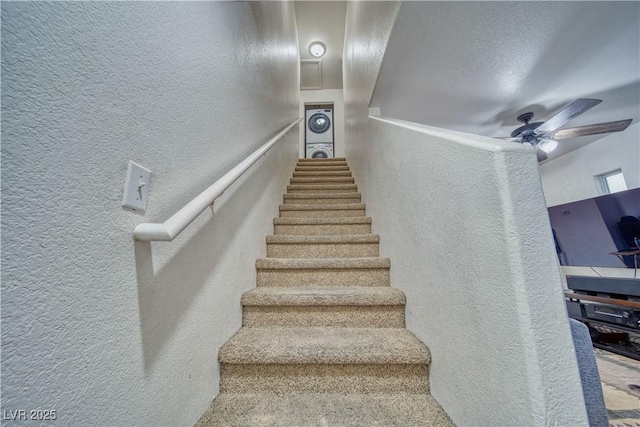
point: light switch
(136, 187)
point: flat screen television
(587, 232)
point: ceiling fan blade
(507, 138)
(572, 110)
(607, 127)
(541, 155)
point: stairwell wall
(102, 330)
(463, 219)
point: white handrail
(169, 229)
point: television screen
(590, 232)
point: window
(611, 182)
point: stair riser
(365, 378)
(335, 159)
(327, 174)
(322, 250)
(323, 165)
(325, 409)
(324, 277)
(331, 189)
(389, 316)
(324, 201)
(342, 213)
(322, 168)
(321, 181)
(308, 162)
(322, 229)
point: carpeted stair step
(322, 180)
(321, 210)
(330, 162)
(324, 359)
(322, 198)
(325, 409)
(321, 161)
(322, 188)
(322, 168)
(318, 174)
(322, 226)
(323, 272)
(323, 246)
(335, 159)
(352, 307)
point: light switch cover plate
(136, 187)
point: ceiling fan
(545, 135)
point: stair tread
(331, 167)
(330, 186)
(323, 345)
(317, 173)
(321, 263)
(322, 207)
(325, 409)
(322, 168)
(313, 166)
(326, 296)
(331, 162)
(334, 159)
(321, 195)
(328, 239)
(323, 221)
(321, 180)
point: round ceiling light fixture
(317, 49)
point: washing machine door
(320, 154)
(319, 123)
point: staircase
(323, 341)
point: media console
(610, 307)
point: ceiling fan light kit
(545, 135)
(547, 145)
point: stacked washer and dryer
(319, 133)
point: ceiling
(323, 21)
(475, 66)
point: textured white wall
(367, 29)
(572, 177)
(334, 96)
(104, 331)
(464, 221)
(471, 247)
